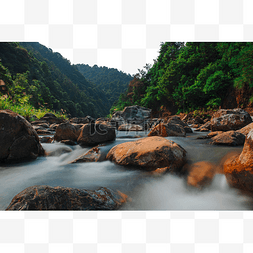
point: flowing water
(148, 192)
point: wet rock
(59, 151)
(19, 141)
(204, 128)
(130, 127)
(51, 118)
(66, 131)
(37, 124)
(43, 197)
(168, 129)
(176, 120)
(230, 138)
(69, 142)
(245, 130)
(43, 132)
(53, 126)
(46, 139)
(93, 134)
(93, 155)
(229, 119)
(149, 153)
(201, 174)
(239, 168)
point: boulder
(43, 197)
(46, 139)
(93, 155)
(176, 120)
(93, 134)
(204, 128)
(43, 131)
(245, 130)
(201, 174)
(239, 168)
(19, 141)
(168, 129)
(230, 138)
(229, 119)
(130, 127)
(66, 131)
(149, 153)
(51, 118)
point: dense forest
(35, 75)
(193, 76)
(110, 80)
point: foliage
(191, 76)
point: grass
(27, 110)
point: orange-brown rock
(149, 153)
(168, 129)
(212, 134)
(239, 168)
(43, 197)
(67, 131)
(229, 119)
(93, 155)
(18, 140)
(245, 130)
(201, 174)
(46, 139)
(230, 138)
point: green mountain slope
(112, 81)
(194, 75)
(48, 79)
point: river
(148, 192)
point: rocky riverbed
(157, 164)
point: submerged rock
(93, 134)
(149, 153)
(230, 119)
(19, 141)
(230, 138)
(239, 168)
(201, 174)
(166, 130)
(43, 197)
(130, 127)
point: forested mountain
(194, 75)
(36, 75)
(112, 81)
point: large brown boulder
(230, 138)
(18, 140)
(43, 197)
(149, 153)
(239, 168)
(93, 134)
(166, 130)
(66, 131)
(229, 119)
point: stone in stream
(43, 197)
(51, 118)
(149, 153)
(130, 127)
(229, 119)
(93, 155)
(245, 130)
(166, 130)
(201, 174)
(93, 134)
(67, 131)
(176, 120)
(239, 168)
(18, 140)
(230, 138)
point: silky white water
(148, 192)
